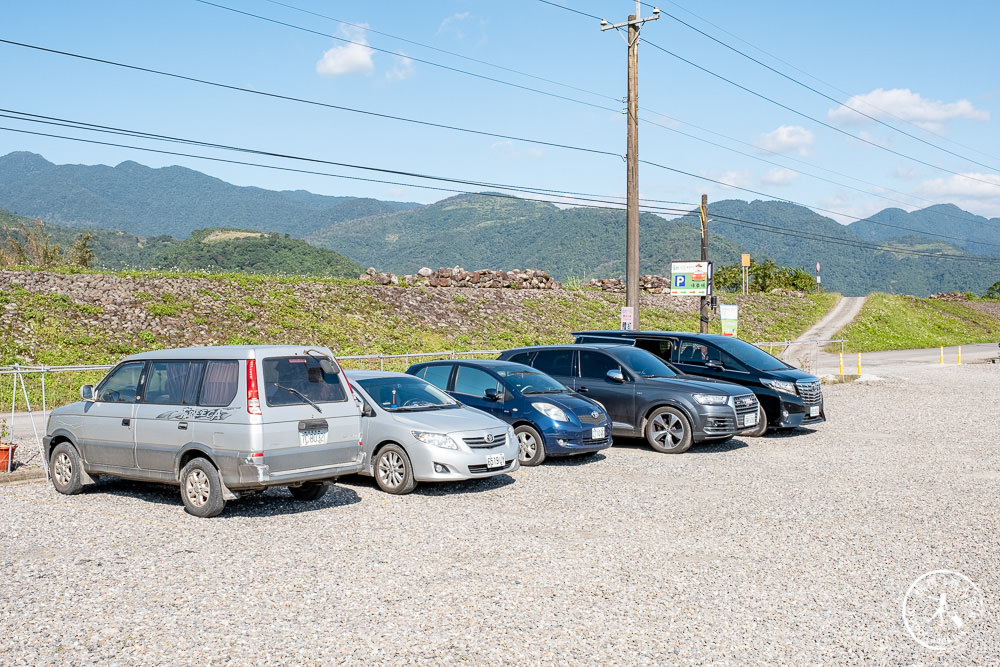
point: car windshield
(751, 355)
(529, 381)
(645, 364)
(406, 394)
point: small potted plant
(6, 447)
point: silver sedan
(411, 432)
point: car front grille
(480, 468)
(810, 392)
(482, 443)
(591, 418)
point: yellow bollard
(859, 364)
(841, 363)
(959, 355)
(942, 355)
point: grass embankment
(889, 322)
(57, 319)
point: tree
(993, 291)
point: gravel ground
(795, 548)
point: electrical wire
(562, 200)
(828, 97)
(814, 77)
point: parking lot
(792, 548)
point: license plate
(495, 461)
(597, 433)
(750, 419)
(814, 411)
(307, 438)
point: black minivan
(788, 396)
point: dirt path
(805, 346)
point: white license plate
(307, 438)
(814, 411)
(597, 433)
(750, 419)
(495, 461)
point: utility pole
(703, 311)
(632, 159)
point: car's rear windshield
(406, 394)
(294, 380)
(530, 381)
(751, 355)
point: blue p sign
(680, 280)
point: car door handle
(182, 425)
(126, 421)
(583, 390)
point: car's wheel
(201, 490)
(66, 466)
(761, 427)
(308, 491)
(530, 446)
(393, 472)
(668, 431)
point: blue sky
(528, 70)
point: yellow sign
(746, 259)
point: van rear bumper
(247, 475)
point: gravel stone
(794, 548)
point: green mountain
(795, 236)
(172, 200)
(944, 222)
(497, 232)
(247, 251)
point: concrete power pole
(632, 160)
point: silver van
(220, 422)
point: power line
(403, 55)
(585, 200)
(444, 51)
(825, 83)
(410, 120)
(828, 97)
(816, 120)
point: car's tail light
(253, 395)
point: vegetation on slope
(890, 322)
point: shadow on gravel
(698, 448)
(438, 488)
(781, 434)
(574, 460)
(270, 502)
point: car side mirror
(491, 394)
(367, 410)
(616, 375)
(87, 392)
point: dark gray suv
(644, 396)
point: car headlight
(437, 439)
(551, 411)
(711, 399)
(781, 385)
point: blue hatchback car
(548, 418)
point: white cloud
(508, 149)
(976, 193)
(780, 177)
(453, 25)
(901, 103)
(787, 139)
(354, 57)
(402, 69)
